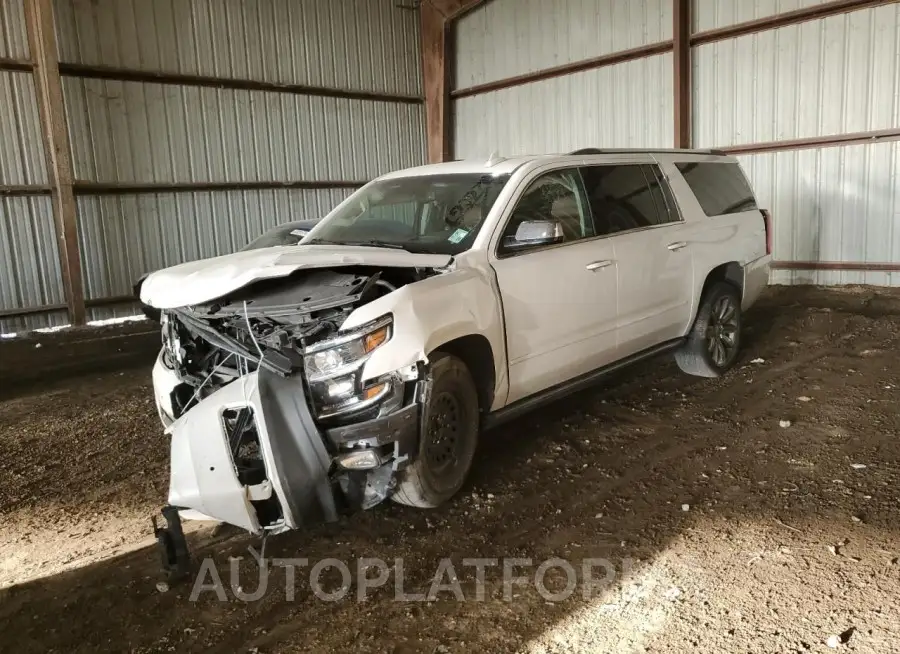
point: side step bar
(560, 391)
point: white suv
(297, 381)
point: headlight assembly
(333, 370)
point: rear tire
(714, 341)
(447, 446)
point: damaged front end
(273, 425)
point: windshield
(287, 234)
(438, 214)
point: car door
(655, 269)
(559, 301)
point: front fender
(430, 313)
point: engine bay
(269, 324)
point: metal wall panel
(626, 105)
(511, 37)
(710, 14)
(21, 147)
(370, 45)
(23, 324)
(13, 34)
(832, 204)
(825, 77)
(138, 132)
(123, 237)
(30, 275)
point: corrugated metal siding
(123, 237)
(627, 105)
(131, 131)
(13, 35)
(511, 37)
(30, 275)
(832, 204)
(25, 324)
(370, 45)
(710, 14)
(21, 147)
(824, 77)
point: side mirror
(534, 233)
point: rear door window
(625, 197)
(720, 188)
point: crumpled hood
(201, 281)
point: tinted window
(662, 195)
(554, 196)
(622, 198)
(671, 204)
(721, 188)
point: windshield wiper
(371, 243)
(323, 241)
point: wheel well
(730, 272)
(476, 352)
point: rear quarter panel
(738, 237)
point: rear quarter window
(720, 188)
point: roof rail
(583, 151)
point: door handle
(599, 265)
(677, 245)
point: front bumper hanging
(304, 481)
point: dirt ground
(755, 513)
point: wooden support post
(42, 41)
(437, 55)
(681, 55)
(436, 82)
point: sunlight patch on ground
(625, 619)
(106, 322)
(32, 550)
(622, 620)
(116, 321)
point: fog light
(360, 460)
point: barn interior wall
(608, 106)
(30, 274)
(820, 78)
(141, 110)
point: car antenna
(494, 159)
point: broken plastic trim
(275, 362)
(297, 446)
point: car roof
(496, 165)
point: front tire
(714, 341)
(450, 437)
